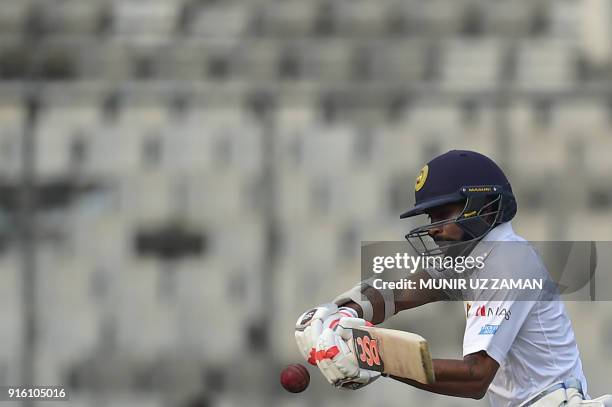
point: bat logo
(308, 316)
(367, 350)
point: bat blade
(393, 352)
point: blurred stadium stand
(283, 133)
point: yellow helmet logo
(420, 180)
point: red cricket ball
(295, 378)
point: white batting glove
(336, 357)
(311, 324)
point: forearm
(452, 388)
(469, 377)
(378, 305)
(402, 299)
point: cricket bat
(393, 352)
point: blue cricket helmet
(464, 176)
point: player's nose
(434, 231)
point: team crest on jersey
(420, 180)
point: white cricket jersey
(533, 341)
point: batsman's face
(448, 232)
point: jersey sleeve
(495, 320)
(493, 326)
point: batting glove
(336, 357)
(311, 324)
